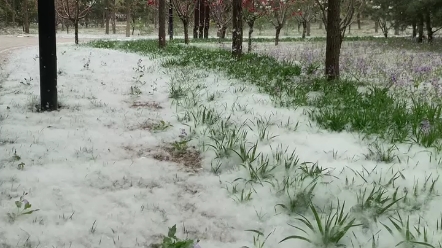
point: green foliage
(330, 228)
(171, 241)
(23, 208)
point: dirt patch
(150, 105)
(190, 157)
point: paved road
(10, 42)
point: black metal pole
(48, 55)
(170, 20)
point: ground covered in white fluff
(109, 169)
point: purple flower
(183, 133)
(425, 126)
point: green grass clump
(342, 105)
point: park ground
(146, 141)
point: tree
(346, 12)
(335, 25)
(170, 27)
(21, 11)
(237, 28)
(306, 12)
(381, 11)
(334, 39)
(278, 12)
(252, 11)
(74, 11)
(162, 23)
(201, 19)
(221, 13)
(184, 9)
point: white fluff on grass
(91, 160)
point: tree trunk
(304, 29)
(76, 31)
(320, 25)
(128, 18)
(170, 20)
(376, 26)
(106, 17)
(162, 23)
(67, 28)
(133, 25)
(13, 17)
(186, 31)
(251, 23)
(420, 28)
(103, 20)
(237, 28)
(196, 22)
(358, 18)
(414, 26)
(201, 19)
(278, 32)
(308, 28)
(222, 32)
(385, 31)
(114, 18)
(62, 25)
(206, 21)
(428, 26)
(333, 47)
(396, 28)
(25, 17)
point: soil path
(9, 43)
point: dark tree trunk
(102, 20)
(376, 26)
(170, 20)
(414, 26)
(201, 19)
(196, 23)
(333, 47)
(25, 17)
(396, 28)
(420, 28)
(13, 13)
(237, 28)
(304, 29)
(76, 31)
(128, 18)
(308, 28)
(107, 17)
(278, 32)
(358, 19)
(206, 20)
(133, 24)
(428, 26)
(222, 32)
(114, 18)
(162, 23)
(86, 21)
(186, 31)
(251, 23)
